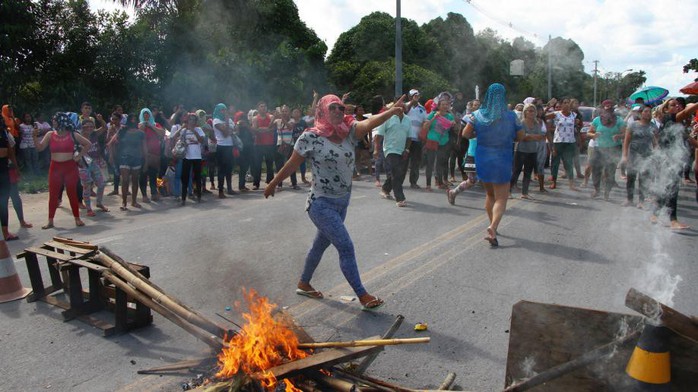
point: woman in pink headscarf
(329, 146)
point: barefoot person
(329, 146)
(63, 143)
(129, 145)
(496, 129)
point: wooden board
(285, 318)
(547, 335)
(323, 359)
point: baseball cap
(414, 92)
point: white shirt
(220, 139)
(193, 145)
(417, 115)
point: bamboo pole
(159, 297)
(570, 366)
(387, 335)
(361, 343)
(448, 382)
(210, 340)
(75, 243)
(130, 268)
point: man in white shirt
(417, 114)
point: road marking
(391, 265)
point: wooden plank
(49, 253)
(546, 335)
(69, 248)
(82, 263)
(669, 317)
(79, 244)
(323, 359)
(107, 328)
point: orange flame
(262, 344)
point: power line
(502, 21)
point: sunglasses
(335, 106)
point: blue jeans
(328, 216)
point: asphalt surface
(428, 261)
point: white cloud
(656, 37)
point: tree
(692, 65)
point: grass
(29, 183)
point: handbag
(179, 150)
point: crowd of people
(491, 142)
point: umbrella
(651, 94)
(690, 89)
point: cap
(414, 92)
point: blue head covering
(494, 105)
(217, 111)
(151, 119)
(64, 122)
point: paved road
(428, 261)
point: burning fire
(262, 344)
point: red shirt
(152, 141)
(264, 138)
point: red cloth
(429, 105)
(152, 141)
(323, 127)
(238, 115)
(61, 143)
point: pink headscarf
(323, 127)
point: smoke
(527, 367)
(664, 166)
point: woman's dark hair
(178, 117)
(31, 121)
(131, 122)
(376, 104)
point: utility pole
(398, 51)
(550, 68)
(596, 73)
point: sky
(657, 37)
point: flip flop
(372, 305)
(310, 293)
(493, 242)
(123, 208)
(47, 226)
(12, 238)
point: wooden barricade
(65, 259)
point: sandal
(91, 213)
(372, 305)
(102, 207)
(47, 226)
(79, 223)
(136, 205)
(11, 237)
(26, 225)
(123, 208)
(310, 293)
(492, 237)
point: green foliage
(55, 54)
(692, 65)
